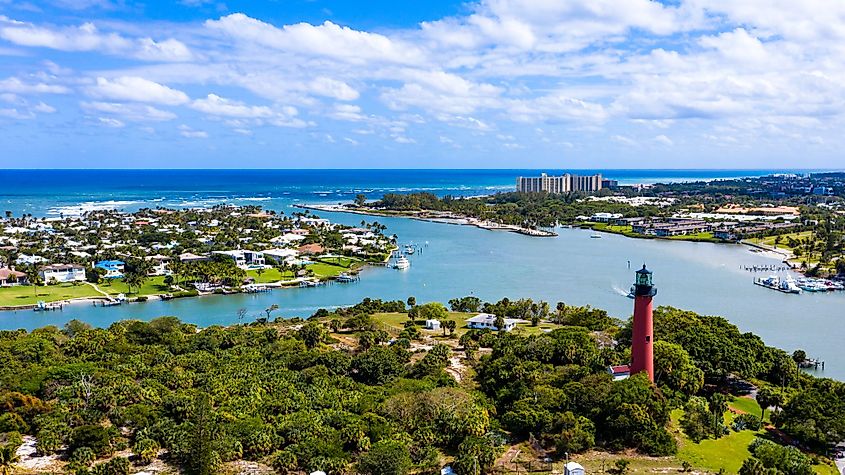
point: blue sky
(486, 84)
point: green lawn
(269, 275)
(397, 320)
(25, 294)
(152, 286)
(698, 237)
(770, 240)
(329, 267)
(746, 404)
(612, 228)
(341, 261)
(629, 232)
(726, 453)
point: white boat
(786, 285)
(812, 285)
(789, 286)
(402, 263)
(409, 249)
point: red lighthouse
(642, 335)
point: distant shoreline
(432, 217)
(449, 218)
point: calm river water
(462, 260)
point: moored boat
(786, 285)
(402, 263)
(346, 278)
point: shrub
(115, 466)
(146, 450)
(284, 461)
(386, 457)
(746, 422)
(97, 438)
(12, 422)
(83, 456)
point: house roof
(62, 267)
(5, 273)
(311, 248)
(620, 369)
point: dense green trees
(280, 395)
(816, 413)
(773, 459)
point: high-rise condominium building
(559, 184)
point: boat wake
(620, 290)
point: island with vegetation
(396, 388)
(165, 253)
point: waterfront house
(629, 221)
(605, 217)
(10, 277)
(281, 255)
(159, 263)
(725, 234)
(245, 259)
(619, 372)
(114, 268)
(487, 321)
(62, 273)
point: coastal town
(110, 257)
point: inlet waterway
(455, 261)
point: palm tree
(134, 279)
(8, 459)
(35, 279)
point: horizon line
(419, 169)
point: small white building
(62, 273)
(487, 321)
(281, 255)
(573, 468)
(432, 324)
